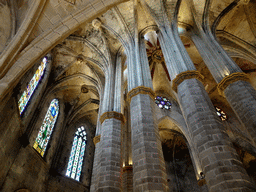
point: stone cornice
(226, 81)
(186, 75)
(141, 90)
(112, 114)
(96, 139)
(127, 168)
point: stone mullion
(145, 65)
(221, 165)
(148, 164)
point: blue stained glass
(80, 161)
(77, 154)
(46, 128)
(71, 158)
(27, 94)
(163, 103)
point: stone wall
(28, 171)
(64, 150)
(59, 183)
(10, 131)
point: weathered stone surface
(146, 147)
(242, 98)
(221, 164)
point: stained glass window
(163, 103)
(77, 154)
(26, 95)
(47, 127)
(221, 114)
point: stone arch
(33, 103)
(177, 124)
(172, 137)
(62, 155)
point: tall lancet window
(77, 154)
(46, 129)
(27, 94)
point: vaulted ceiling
(83, 48)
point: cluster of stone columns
(221, 165)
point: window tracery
(47, 126)
(32, 85)
(77, 154)
(163, 103)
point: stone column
(96, 140)
(232, 82)
(127, 179)
(221, 165)
(108, 154)
(148, 164)
(144, 62)
(109, 172)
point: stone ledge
(186, 75)
(96, 139)
(112, 114)
(226, 81)
(140, 90)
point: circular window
(221, 114)
(163, 103)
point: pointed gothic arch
(76, 157)
(32, 85)
(47, 126)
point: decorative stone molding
(84, 89)
(226, 81)
(96, 139)
(141, 90)
(186, 75)
(127, 168)
(96, 23)
(112, 114)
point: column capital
(226, 81)
(140, 90)
(186, 75)
(96, 139)
(112, 114)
